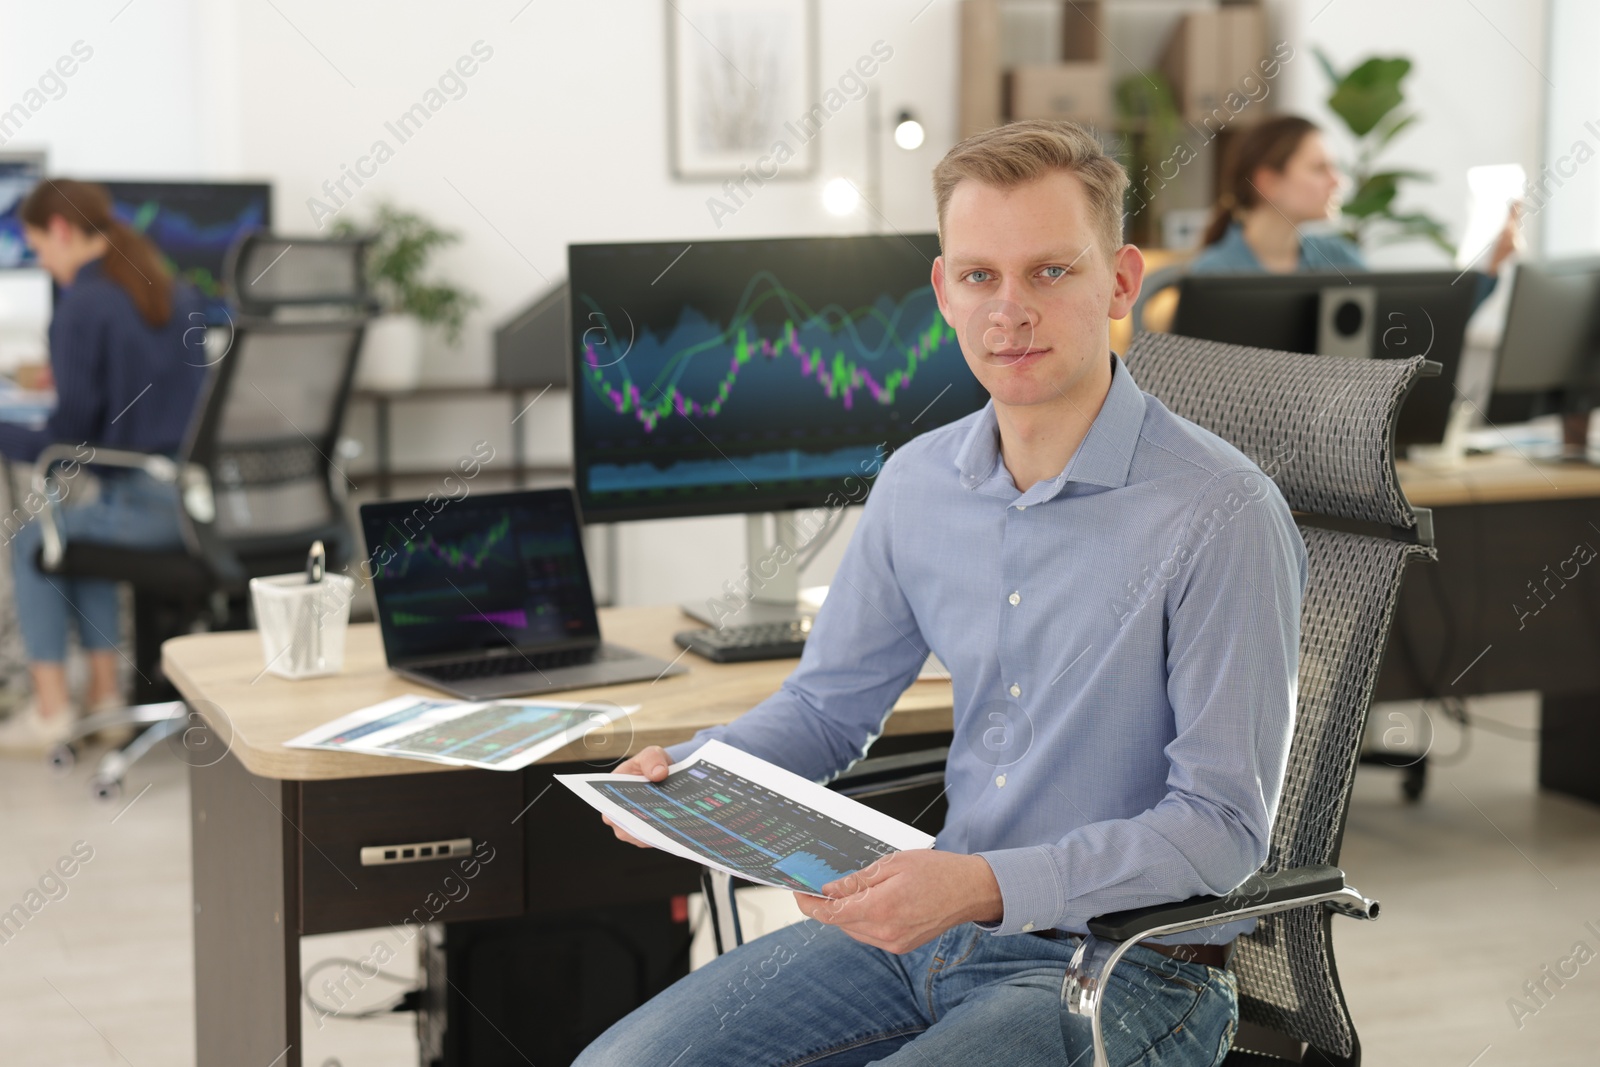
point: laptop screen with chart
(497, 571)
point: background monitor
(1547, 358)
(746, 376)
(1377, 315)
(19, 173)
(530, 348)
(194, 224)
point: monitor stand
(767, 588)
(1450, 453)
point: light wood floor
(1482, 884)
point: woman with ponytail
(125, 378)
(1282, 176)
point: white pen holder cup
(302, 623)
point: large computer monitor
(194, 224)
(752, 376)
(1370, 315)
(19, 173)
(1549, 356)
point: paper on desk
(499, 735)
(737, 813)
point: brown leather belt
(1209, 955)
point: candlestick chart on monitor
(753, 375)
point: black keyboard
(752, 641)
(493, 666)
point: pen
(316, 564)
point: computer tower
(507, 992)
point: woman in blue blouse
(124, 378)
(1281, 177)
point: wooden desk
(1496, 614)
(277, 832)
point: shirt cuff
(683, 749)
(1030, 889)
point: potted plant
(1368, 98)
(402, 244)
(1150, 132)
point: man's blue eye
(973, 277)
(1063, 271)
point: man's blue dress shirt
(1232, 254)
(1122, 641)
(120, 382)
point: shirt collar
(1234, 240)
(89, 268)
(1103, 458)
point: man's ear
(1128, 277)
(938, 286)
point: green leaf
(1398, 175)
(1391, 129)
(1373, 196)
(1368, 93)
(1404, 227)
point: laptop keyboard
(527, 663)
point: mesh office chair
(1322, 428)
(257, 482)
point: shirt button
(1000, 781)
(1022, 507)
(1015, 598)
(1026, 927)
(1016, 690)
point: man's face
(1029, 291)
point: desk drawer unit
(415, 848)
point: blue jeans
(132, 510)
(809, 994)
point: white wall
(561, 137)
(1570, 218)
(131, 109)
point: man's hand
(651, 763)
(908, 898)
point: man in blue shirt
(1116, 592)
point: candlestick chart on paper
(734, 822)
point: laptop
(487, 596)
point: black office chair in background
(1323, 430)
(257, 478)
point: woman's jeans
(133, 511)
(809, 994)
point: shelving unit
(1111, 64)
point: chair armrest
(1260, 894)
(881, 775)
(52, 546)
(161, 468)
(193, 481)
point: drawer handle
(416, 852)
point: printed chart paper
(734, 812)
(500, 735)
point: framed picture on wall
(741, 83)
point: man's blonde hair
(1020, 152)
